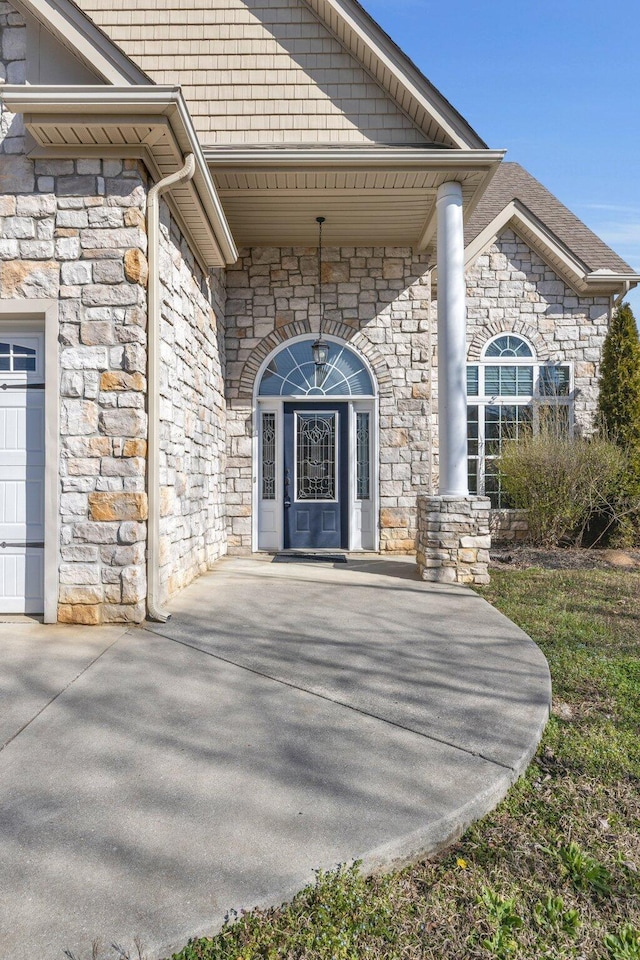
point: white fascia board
(372, 36)
(87, 41)
(605, 281)
(353, 157)
(96, 99)
(609, 276)
(165, 101)
(207, 188)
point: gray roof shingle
(513, 182)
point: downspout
(154, 610)
(616, 301)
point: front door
(316, 472)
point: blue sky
(555, 82)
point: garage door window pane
(24, 358)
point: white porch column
(452, 346)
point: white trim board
(556, 254)
(43, 315)
(356, 404)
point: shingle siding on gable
(265, 72)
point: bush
(562, 482)
(619, 399)
(619, 418)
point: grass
(553, 872)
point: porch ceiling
(382, 197)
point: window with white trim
(510, 394)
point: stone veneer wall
(192, 411)
(510, 288)
(508, 526)
(453, 540)
(73, 231)
(376, 298)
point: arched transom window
(292, 373)
(510, 393)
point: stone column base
(453, 539)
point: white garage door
(21, 473)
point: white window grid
(536, 401)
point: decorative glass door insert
(316, 460)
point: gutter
(154, 610)
(618, 300)
(127, 106)
(428, 157)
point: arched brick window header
(518, 327)
(334, 328)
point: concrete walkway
(289, 716)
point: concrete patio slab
(181, 774)
(37, 663)
(435, 659)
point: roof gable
(269, 72)
(516, 199)
(512, 183)
(50, 61)
(94, 51)
(397, 73)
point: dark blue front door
(316, 472)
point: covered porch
(391, 217)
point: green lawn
(554, 872)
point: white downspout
(154, 611)
(616, 301)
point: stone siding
(192, 412)
(378, 300)
(73, 242)
(453, 539)
(510, 288)
(70, 232)
(509, 526)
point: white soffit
(384, 197)
(150, 123)
(87, 41)
(556, 254)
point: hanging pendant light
(320, 347)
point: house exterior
(162, 170)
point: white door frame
(42, 315)
(276, 405)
